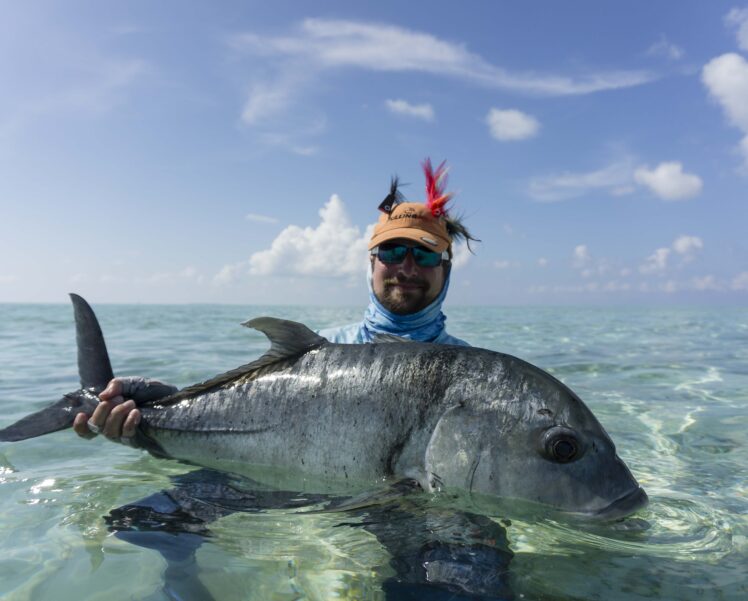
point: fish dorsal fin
(287, 338)
(94, 367)
(385, 338)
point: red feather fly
(436, 182)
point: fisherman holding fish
(409, 271)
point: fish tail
(57, 416)
(94, 370)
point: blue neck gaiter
(424, 326)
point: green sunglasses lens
(425, 257)
(394, 254)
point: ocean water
(670, 385)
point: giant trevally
(448, 417)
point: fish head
(533, 440)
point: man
(409, 271)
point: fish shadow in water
(436, 553)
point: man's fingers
(131, 424)
(80, 426)
(112, 390)
(113, 424)
(101, 413)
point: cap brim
(422, 237)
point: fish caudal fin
(94, 369)
(56, 417)
(93, 360)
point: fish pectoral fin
(393, 492)
(287, 338)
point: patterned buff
(425, 326)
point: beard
(406, 296)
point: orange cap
(412, 221)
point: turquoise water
(669, 385)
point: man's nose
(409, 267)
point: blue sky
(237, 152)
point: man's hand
(114, 417)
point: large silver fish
(449, 417)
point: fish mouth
(624, 506)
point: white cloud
(334, 248)
(502, 264)
(665, 48)
(619, 178)
(8, 279)
(740, 281)
(612, 179)
(324, 44)
(461, 255)
(542, 262)
(260, 218)
(267, 99)
(738, 18)
(668, 181)
(707, 282)
(656, 262)
(230, 273)
(581, 256)
(687, 245)
(403, 107)
(726, 78)
(511, 124)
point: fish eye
(561, 445)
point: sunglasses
(394, 254)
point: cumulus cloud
(687, 245)
(230, 273)
(334, 248)
(461, 255)
(668, 181)
(737, 18)
(684, 246)
(656, 262)
(581, 256)
(726, 78)
(403, 107)
(511, 124)
(665, 48)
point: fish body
(450, 417)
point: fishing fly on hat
(426, 223)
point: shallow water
(669, 385)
